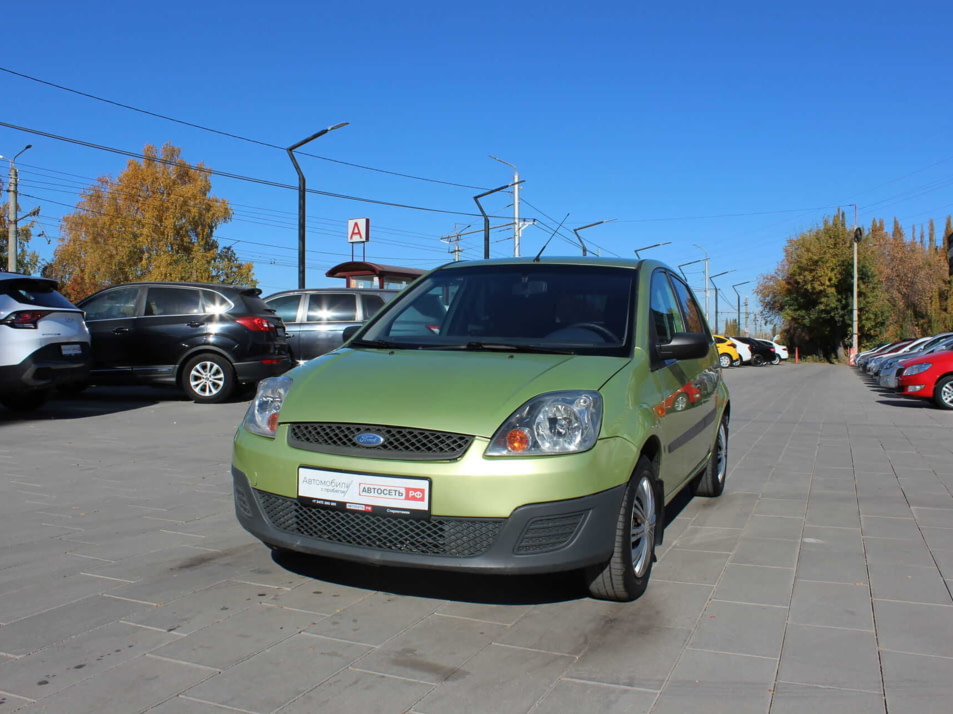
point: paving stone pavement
(820, 581)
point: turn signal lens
(517, 441)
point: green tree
(27, 261)
(156, 221)
(811, 291)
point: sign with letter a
(358, 230)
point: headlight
(554, 423)
(262, 415)
(916, 369)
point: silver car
(44, 342)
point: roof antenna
(536, 259)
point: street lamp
(582, 228)
(690, 262)
(517, 226)
(711, 278)
(735, 288)
(12, 212)
(486, 218)
(301, 197)
(654, 245)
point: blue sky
(722, 128)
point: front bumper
(535, 538)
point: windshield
(537, 308)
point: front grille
(398, 442)
(551, 533)
(451, 537)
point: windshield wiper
(382, 344)
(505, 347)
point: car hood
(463, 392)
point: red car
(928, 377)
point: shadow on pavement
(94, 401)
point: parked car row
(209, 340)
(737, 351)
(921, 368)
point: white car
(743, 350)
(44, 341)
(780, 350)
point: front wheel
(775, 360)
(711, 481)
(626, 575)
(757, 360)
(725, 361)
(943, 393)
(208, 379)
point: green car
(506, 416)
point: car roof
(559, 260)
(242, 289)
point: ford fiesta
(508, 416)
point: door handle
(194, 324)
(120, 330)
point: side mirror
(349, 332)
(685, 345)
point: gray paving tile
(718, 683)
(499, 614)
(914, 628)
(832, 605)
(740, 628)
(229, 641)
(141, 683)
(49, 593)
(716, 540)
(909, 583)
(799, 698)
(581, 623)
(732, 510)
(611, 660)
(61, 665)
(937, 517)
(279, 674)
(938, 538)
(795, 508)
(916, 683)
(321, 598)
(690, 566)
(573, 697)
(485, 684)
(783, 527)
(352, 692)
(756, 584)
(830, 657)
(671, 604)
(766, 551)
(375, 619)
(432, 650)
(41, 630)
(897, 551)
(881, 527)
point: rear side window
(286, 307)
(113, 304)
(331, 307)
(34, 292)
(371, 304)
(214, 303)
(173, 301)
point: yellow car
(727, 354)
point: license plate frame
(395, 496)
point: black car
(205, 338)
(316, 318)
(761, 352)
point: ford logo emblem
(368, 438)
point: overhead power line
(239, 177)
(228, 134)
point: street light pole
(517, 226)
(706, 276)
(857, 235)
(654, 245)
(712, 280)
(301, 197)
(486, 218)
(582, 228)
(735, 288)
(12, 212)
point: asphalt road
(819, 582)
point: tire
(208, 379)
(943, 393)
(776, 360)
(724, 360)
(757, 360)
(25, 401)
(626, 575)
(711, 482)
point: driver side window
(665, 312)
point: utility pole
(517, 224)
(857, 235)
(454, 240)
(706, 277)
(12, 210)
